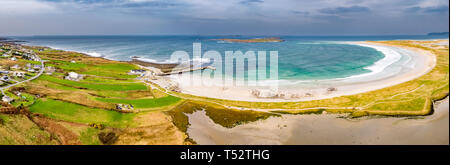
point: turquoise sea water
(300, 58)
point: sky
(223, 17)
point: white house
(29, 56)
(13, 59)
(4, 78)
(124, 107)
(34, 58)
(37, 66)
(15, 67)
(31, 70)
(7, 99)
(137, 71)
(73, 76)
(18, 74)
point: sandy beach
(418, 62)
(327, 129)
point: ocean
(301, 58)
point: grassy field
(114, 70)
(19, 130)
(80, 114)
(144, 103)
(25, 100)
(96, 79)
(95, 86)
(89, 137)
(67, 65)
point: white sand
(326, 129)
(421, 62)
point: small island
(254, 40)
(438, 34)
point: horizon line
(297, 35)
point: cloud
(300, 13)
(249, 2)
(142, 4)
(219, 16)
(432, 3)
(25, 7)
(429, 7)
(345, 10)
(436, 9)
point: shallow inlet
(326, 129)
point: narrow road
(32, 78)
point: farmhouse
(124, 107)
(7, 99)
(17, 67)
(73, 76)
(4, 72)
(31, 70)
(29, 56)
(17, 53)
(34, 58)
(18, 74)
(137, 71)
(4, 78)
(37, 67)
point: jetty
(253, 40)
(186, 70)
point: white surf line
(390, 56)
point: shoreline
(424, 62)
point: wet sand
(326, 129)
